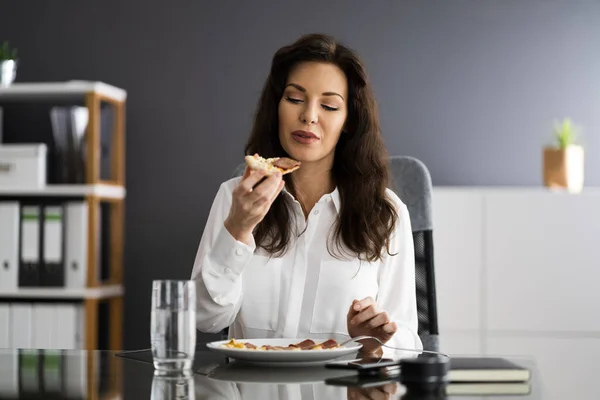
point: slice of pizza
(270, 165)
(307, 344)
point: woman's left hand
(365, 318)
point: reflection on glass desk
(73, 374)
(57, 374)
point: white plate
(282, 357)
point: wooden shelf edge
(36, 90)
(101, 292)
(100, 190)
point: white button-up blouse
(307, 292)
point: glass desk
(74, 374)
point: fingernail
(357, 307)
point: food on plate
(307, 344)
(270, 165)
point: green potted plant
(8, 64)
(564, 161)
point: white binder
(69, 321)
(5, 327)
(76, 223)
(9, 245)
(21, 320)
(44, 326)
(9, 378)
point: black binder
(52, 272)
(30, 249)
(42, 245)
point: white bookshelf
(94, 191)
(100, 190)
(67, 89)
(102, 292)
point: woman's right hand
(251, 202)
(378, 392)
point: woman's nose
(309, 114)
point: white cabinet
(567, 365)
(542, 261)
(517, 272)
(458, 312)
(460, 342)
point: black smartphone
(370, 365)
(361, 381)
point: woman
(326, 251)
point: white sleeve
(397, 286)
(217, 270)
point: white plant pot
(8, 72)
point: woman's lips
(304, 137)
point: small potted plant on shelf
(8, 64)
(564, 161)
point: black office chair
(411, 181)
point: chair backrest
(411, 181)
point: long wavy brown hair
(360, 168)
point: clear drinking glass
(173, 325)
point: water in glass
(173, 325)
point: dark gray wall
(469, 86)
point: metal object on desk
(425, 377)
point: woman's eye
(297, 101)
